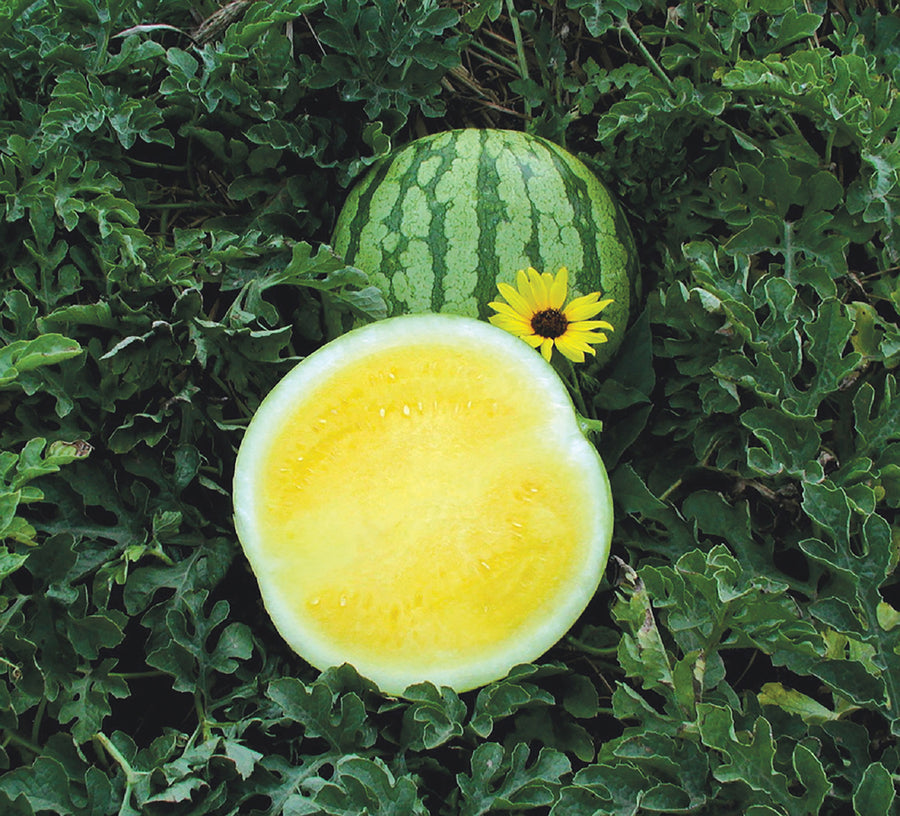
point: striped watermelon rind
(441, 221)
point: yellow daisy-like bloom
(534, 311)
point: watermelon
(441, 221)
(416, 498)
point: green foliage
(167, 190)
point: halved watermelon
(416, 498)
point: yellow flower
(534, 311)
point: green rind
(439, 223)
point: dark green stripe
(490, 212)
(624, 236)
(390, 261)
(365, 191)
(437, 234)
(532, 156)
(578, 196)
(394, 220)
(533, 244)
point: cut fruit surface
(416, 499)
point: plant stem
(648, 57)
(10, 665)
(166, 559)
(177, 205)
(132, 777)
(670, 489)
(494, 55)
(520, 46)
(575, 390)
(606, 651)
(141, 675)
(205, 728)
(829, 146)
(176, 168)
(38, 718)
(11, 737)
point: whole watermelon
(439, 222)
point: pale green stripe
(457, 193)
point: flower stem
(575, 390)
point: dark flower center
(550, 323)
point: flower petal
(585, 328)
(590, 325)
(539, 290)
(516, 299)
(578, 341)
(525, 289)
(504, 308)
(547, 348)
(588, 337)
(585, 307)
(571, 349)
(559, 288)
(513, 325)
(590, 297)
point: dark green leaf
(502, 780)
(874, 796)
(341, 721)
